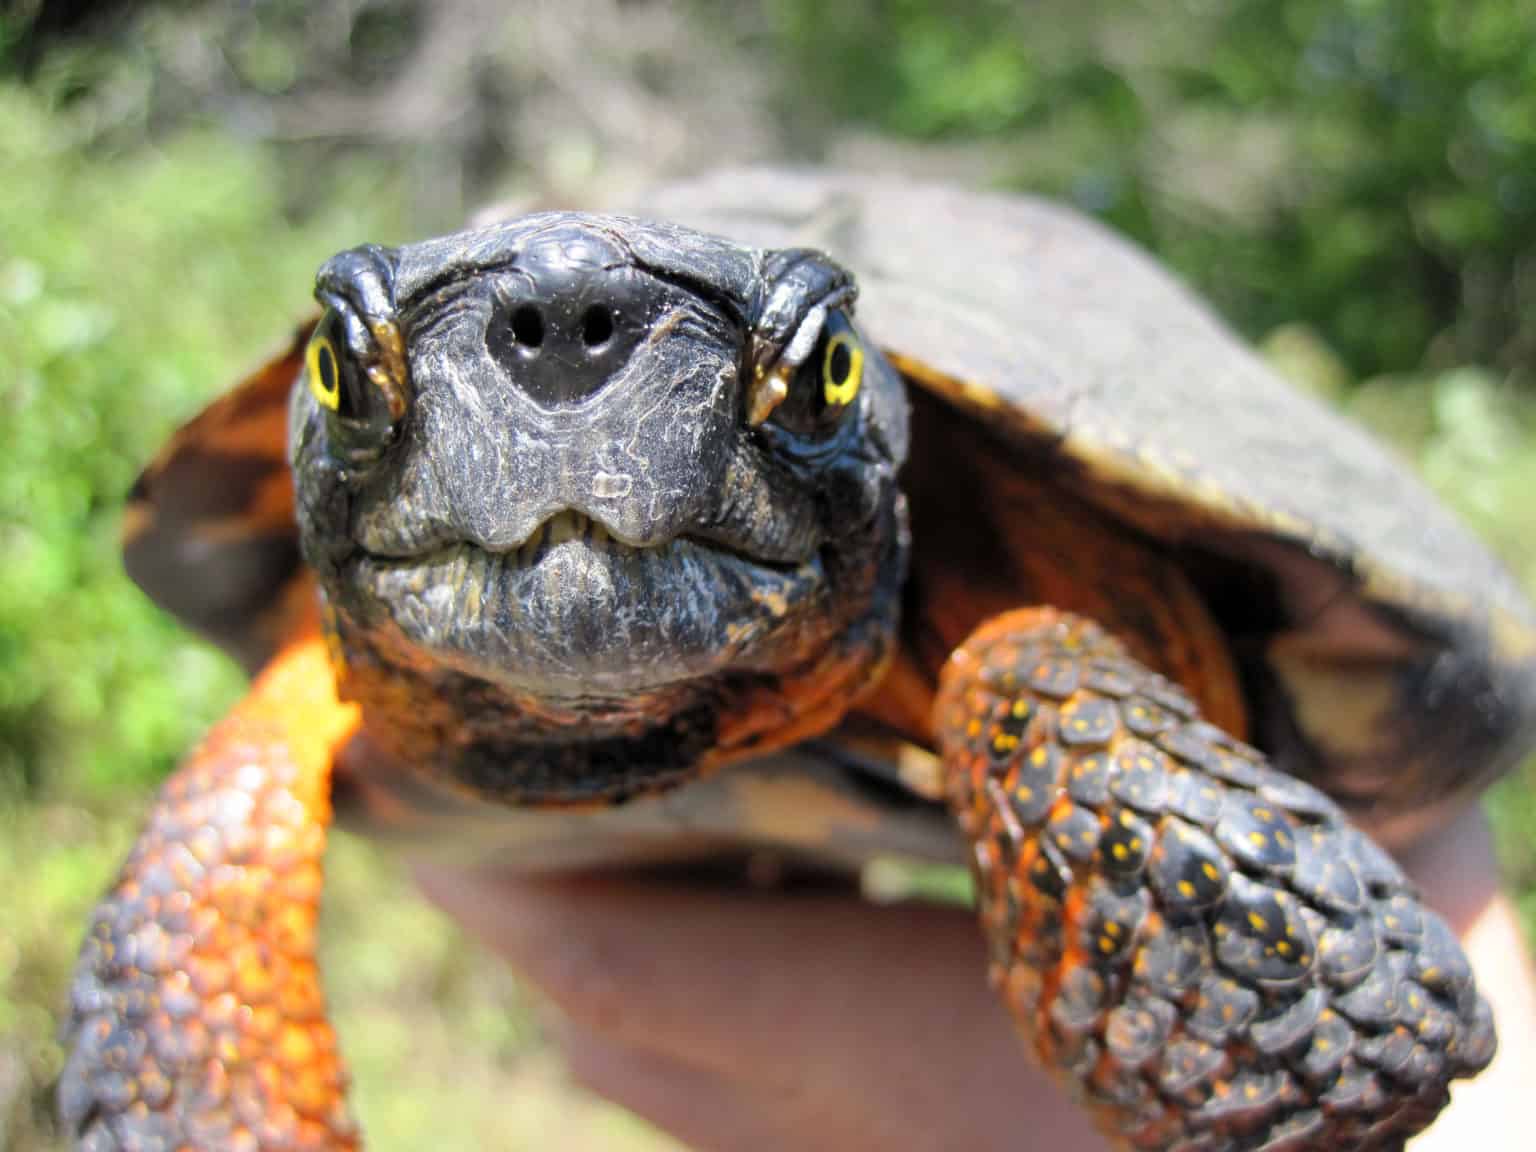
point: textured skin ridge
(1201, 945)
(197, 1019)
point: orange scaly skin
(1199, 945)
(197, 1018)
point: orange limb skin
(1201, 947)
(197, 1018)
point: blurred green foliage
(1367, 167)
(1354, 182)
(131, 286)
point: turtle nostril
(528, 326)
(596, 326)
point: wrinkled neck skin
(574, 570)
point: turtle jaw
(575, 616)
(601, 701)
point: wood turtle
(575, 538)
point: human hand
(750, 1020)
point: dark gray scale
(1211, 750)
(1299, 798)
(1195, 797)
(1186, 745)
(1238, 769)
(1323, 873)
(1145, 717)
(1475, 1046)
(1440, 964)
(1390, 1051)
(1112, 922)
(1010, 723)
(122, 1048)
(1261, 935)
(1373, 1001)
(1079, 1003)
(1290, 1026)
(1137, 1030)
(1348, 949)
(1049, 873)
(1317, 921)
(1172, 957)
(1000, 676)
(1218, 737)
(1356, 1089)
(1075, 831)
(1223, 1010)
(1295, 1133)
(1399, 921)
(1088, 779)
(1167, 694)
(1332, 1042)
(1107, 678)
(1424, 1066)
(1053, 676)
(1036, 782)
(1375, 868)
(1413, 1002)
(1250, 1096)
(1257, 834)
(1189, 872)
(1140, 778)
(1125, 844)
(1436, 1027)
(1088, 722)
(1189, 1064)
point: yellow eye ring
(322, 370)
(842, 370)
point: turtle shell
(1384, 653)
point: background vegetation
(1353, 181)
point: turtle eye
(334, 381)
(826, 384)
(320, 364)
(842, 363)
(363, 408)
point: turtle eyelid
(800, 346)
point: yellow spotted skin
(1201, 946)
(197, 1019)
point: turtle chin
(577, 667)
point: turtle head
(595, 502)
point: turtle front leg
(197, 1019)
(1202, 945)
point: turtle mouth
(575, 612)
